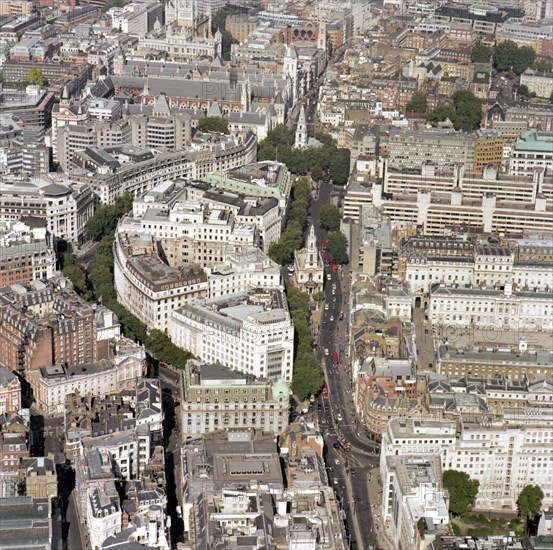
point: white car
(339, 417)
(332, 318)
(328, 277)
(337, 462)
(326, 307)
(326, 351)
(333, 291)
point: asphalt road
(349, 470)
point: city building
(503, 455)
(26, 253)
(147, 286)
(309, 266)
(484, 307)
(46, 323)
(216, 398)
(10, 391)
(26, 522)
(38, 474)
(250, 332)
(65, 208)
(540, 84)
(243, 269)
(533, 152)
(413, 492)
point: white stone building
(473, 306)
(503, 456)
(539, 83)
(243, 269)
(412, 489)
(534, 151)
(216, 398)
(309, 266)
(147, 286)
(251, 332)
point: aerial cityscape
(276, 275)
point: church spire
(301, 131)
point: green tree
(441, 113)
(542, 66)
(337, 246)
(509, 57)
(481, 53)
(329, 217)
(462, 491)
(551, 98)
(468, 110)
(215, 124)
(75, 273)
(529, 501)
(36, 77)
(523, 91)
(417, 104)
(339, 166)
(106, 216)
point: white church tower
(301, 131)
(308, 266)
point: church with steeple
(308, 266)
(301, 131)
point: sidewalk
(375, 499)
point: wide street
(349, 471)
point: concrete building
(243, 269)
(539, 83)
(10, 391)
(216, 398)
(504, 456)
(147, 286)
(250, 332)
(480, 307)
(51, 384)
(66, 209)
(26, 253)
(309, 266)
(533, 152)
(413, 491)
(26, 522)
(487, 361)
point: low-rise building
(534, 151)
(538, 83)
(251, 332)
(39, 476)
(216, 398)
(10, 391)
(26, 522)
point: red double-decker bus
(325, 391)
(323, 245)
(334, 265)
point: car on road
(329, 418)
(339, 417)
(336, 446)
(335, 481)
(326, 307)
(332, 318)
(328, 276)
(333, 286)
(326, 351)
(337, 462)
(341, 316)
(333, 291)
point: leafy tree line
(337, 246)
(291, 239)
(308, 376)
(101, 227)
(507, 57)
(329, 217)
(279, 144)
(36, 77)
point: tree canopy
(291, 239)
(462, 491)
(465, 114)
(337, 246)
(417, 104)
(542, 66)
(308, 376)
(106, 216)
(529, 501)
(508, 56)
(213, 124)
(36, 77)
(329, 217)
(481, 53)
(279, 145)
